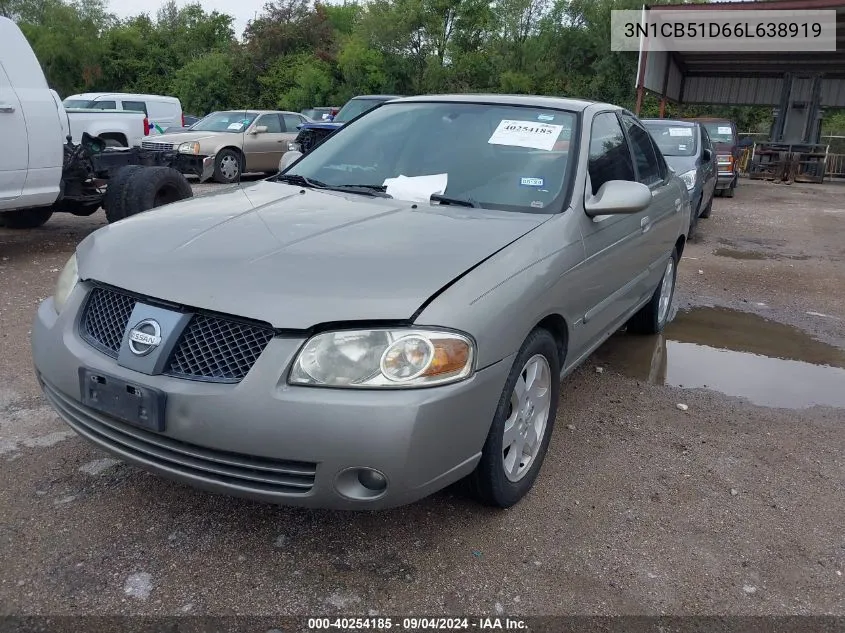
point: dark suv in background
(312, 134)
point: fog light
(372, 480)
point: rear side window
(103, 105)
(648, 164)
(135, 106)
(609, 158)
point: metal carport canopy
(742, 78)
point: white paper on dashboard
(235, 126)
(680, 131)
(416, 188)
(724, 130)
(526, 134)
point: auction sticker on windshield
(526, 134)
(680, 131)
(235, 126)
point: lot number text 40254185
(416, 624)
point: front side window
(501, 157)
(610, 158)
(647, 163)
(271, 122)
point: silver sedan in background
(380, 319)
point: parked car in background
(312, 134)
(224, 145)
(42, 172)
(321, 114)
(116, 128)
(162, 112)
(723, 134)
(391, 314)
(689, 151)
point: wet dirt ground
(732, 504)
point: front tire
(25, 218)
(653, 316)
(706, 213)
(227, 166)
(522, 425)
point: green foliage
(298, 53)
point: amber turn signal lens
(450, 356)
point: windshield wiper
(370, 190)
(301, 181)
(469, 202)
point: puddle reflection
(735, 353)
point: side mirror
(288, 159)
(617, 197)
(259, 129)
(707, 155)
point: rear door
(14, 159)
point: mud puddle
(735, 353)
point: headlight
(189, 148)
(689, 179)
(294, 147)
(66, 283)
(383, 358)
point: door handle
(6, 108)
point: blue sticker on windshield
(531, 182)
(546, 117)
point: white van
(162, 112)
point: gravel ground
(641, 508)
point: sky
(241, 10)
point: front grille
(259, 474)
(210, 348)
(105, 319)
(218, 350)
(309, 139)
(156, 146)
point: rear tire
(114, 202)
(153, 187)
(25, 218)
(511, 459)
(653, 316)
(228, 166)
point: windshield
(355, 107)
(224, 122)
(720, 132)
(499, 157)
(673, 139)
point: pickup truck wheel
(522, 425)
(227, 166)
(25, 218)
(114, 202)
(653, 316)
(152, 187)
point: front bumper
(200, 166)
(269, 441)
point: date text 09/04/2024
(416, 624)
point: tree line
(298, 54)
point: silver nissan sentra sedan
(389, 314)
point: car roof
(248, 111)
(503, 99)
(376, 97)
(122, 95)
(678, 122)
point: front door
(14, 159)
(264, 149)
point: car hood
(322, 125)
(297, 258)
(209, 138)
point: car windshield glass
(224, 122)
(673, 139)
(492, 156)
(720, 132)
(355, 107)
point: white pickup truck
(56, 161)
(118, 128)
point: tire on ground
(218, 162)
(647, 320)
(115, 200)
(25, 218)
(152, 187)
